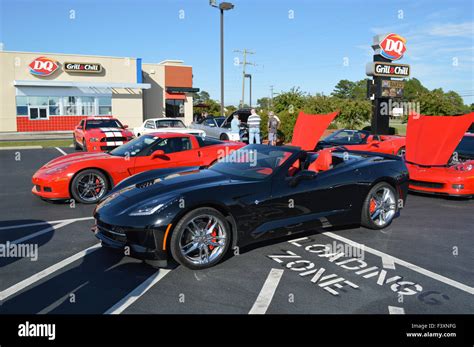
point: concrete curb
(21, 147)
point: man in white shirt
(253, 123)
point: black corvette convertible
(195, 215)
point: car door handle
(199, 153)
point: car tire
(84, 147)
(401, 151)
(182, 236)
(379, 209)
(224, 137)
(92, 176)
(76, 145)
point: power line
(244, 64)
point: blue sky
(305, 50)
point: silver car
(219, 127)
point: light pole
(249, 76)
(223, 6)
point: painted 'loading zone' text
(332, 283)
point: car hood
(174, 182)
(431, 140)
(309, 128)
(77, 158)
(99, 131)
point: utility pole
(271, 96)
(244, 64)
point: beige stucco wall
(154, 98)
(126, 104)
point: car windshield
(219, 120)
(252, 162)
(102, 123)
(170, 123)
(136, 146)
(347, 137)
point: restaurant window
(105, 105)
(174, 108)
(22, 106)
(87, 105)
(70, 106)
(54, 109)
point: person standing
(235, 128)
(273, 125)
(253, 123)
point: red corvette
(87, 177)
(359, 140)
(432, 164)
(98, 134)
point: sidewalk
(35, 136)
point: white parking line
(266, 294)
(39, 233)
(46, 272)
(43, 223)
(135, 294)
(396, 310)
(404, 263)
(61, 151)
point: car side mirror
(304, 175)
(159, 153)
(375, 143)
(125, 126)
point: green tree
(344, 89)
(413, 89)
(264, 103)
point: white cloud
(453, 30)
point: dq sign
(43, 66)
(393, 47)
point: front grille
(108, 148)
(108, 139)
(142, 237)
(426, 184)
(112, 232)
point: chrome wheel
(203, 240)
(91, 187)
(382, 206)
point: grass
(43, 143)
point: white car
(166, 125)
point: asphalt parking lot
(422, 263)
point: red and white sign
(43, 66)
(393, 47)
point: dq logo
(393, 46)
(43, 66)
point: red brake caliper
(372, 205)
(213, 240)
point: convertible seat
(323, 162)
(294, 168)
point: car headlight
(56, 170)
(147, 209)
(463, 167)
(93, 139)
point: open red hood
(309, 128)
(431, 140)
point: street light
(223, 6)
(249, 76)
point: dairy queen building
(53, 92)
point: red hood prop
(309, 128)
(431, 140)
